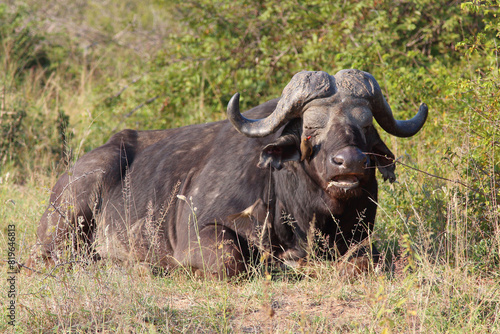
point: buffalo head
(327, 122)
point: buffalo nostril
(350, 158)
(338, 160)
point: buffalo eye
(274, 150)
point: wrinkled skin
(237, 195)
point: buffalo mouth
(345, 182)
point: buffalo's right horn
(252, 127)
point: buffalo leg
(361, 258)
(76, 199)
(68, 222)
(219, 253)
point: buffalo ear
(285, 148)
(385, 161)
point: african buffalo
(209, 196)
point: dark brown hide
(206, 197)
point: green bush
(109, 74)
(19, 54)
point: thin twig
(124, 88)
(141, 105)
(52, 270)
(424, 172)
(134, 110)
(58, 211)
(31, 269)
(60, 265)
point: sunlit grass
(444, 236)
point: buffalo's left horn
(407, 128)
(304, 87)
(383, 114)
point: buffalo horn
(363, 85)
(252, 127)
(383, 115)
(304, 87)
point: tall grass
(73, 72)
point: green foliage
(477, 160)
(18, 53)
(20, 42)
(104, 66)
(10, 130)
(255, 47)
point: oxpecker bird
(306, 149)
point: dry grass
(109, 298)
(421, 295)
(435, 287)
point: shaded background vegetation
(74, 72)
